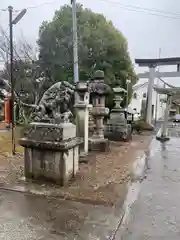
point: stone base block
(55, 166)
(162, 138)
(118, 132)
(51, 152)
(101, 145)
(51, 161)
(83, 158)
(115, 136)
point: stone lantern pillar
(82, 115)
(98, 92)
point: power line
(128, 7)
(40, 5)
(32, 7)
(154, 12)
(143, 8)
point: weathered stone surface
(98, 91)
(51, 152)
(50, 132)
(117, 128)
(55, 104)
(101, 145)
(56, 146)
(117, 132)
(82, 113)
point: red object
(8, 110)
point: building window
(135, 95)
(144, 95)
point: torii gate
(152, 74)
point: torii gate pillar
(149, 93)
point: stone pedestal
(117, 128)
(98, 92)
(51, 152)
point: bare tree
(26, 64)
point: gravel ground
(101, 181)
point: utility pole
(75, 42)
(11, 23)
(10, 8)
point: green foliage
(100, 46)
(141, 125)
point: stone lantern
(119, 94)
(117, 127)
(98, 91)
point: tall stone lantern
(99, 90)
(117, 127)
(119, 95)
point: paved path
(156, 213)
(28, 217)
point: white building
(140, 94)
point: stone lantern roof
(98, 86)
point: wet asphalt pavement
(156, 213)
(28, 217)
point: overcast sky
(145, 33)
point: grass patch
(6, 142)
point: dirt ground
(102, 181)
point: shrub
(141, 125)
